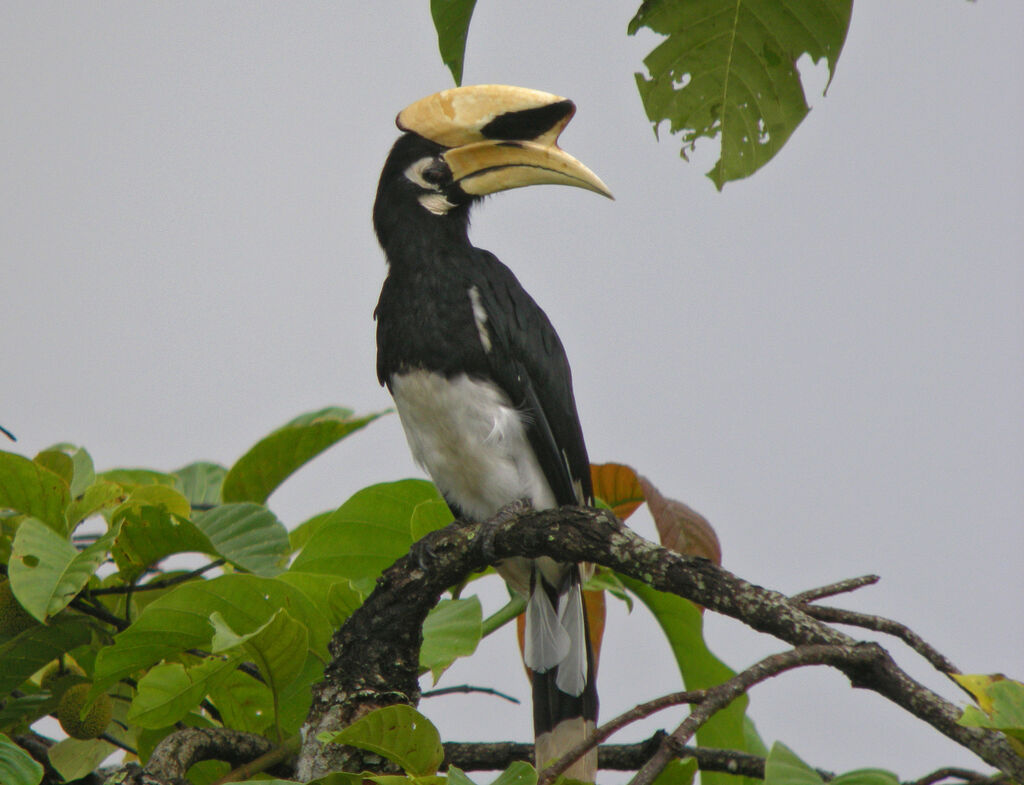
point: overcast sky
(827, 359)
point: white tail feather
(546, 643)
(572, 671)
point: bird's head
(462, 144)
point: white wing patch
(480, 318)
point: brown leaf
(681, 528)
(617, 486)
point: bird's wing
(527, 361)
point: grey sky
(827, 360)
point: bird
(478, 375)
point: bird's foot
(489, 528)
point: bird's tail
(559, 653)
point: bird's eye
(436, 172)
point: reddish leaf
(617, 486)
(681, 528)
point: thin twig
(719, 697)
(887, 626)
(965, 776)
(466, 688)
(111, 740)
(832, 589)
(262, 763)
(8, 434)
(99, 612)
(638, 712)
(162, 583)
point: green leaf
(33, 490)
(342, 597)
(678, 772)
(867, 777)
(457, 776)
(273, 459)
(399, 733)
(277, 647)
(150, 534)
(83, 472)
(429, 516)
(452, 630)
(168, 692)
(683, 626)
(1006, 699)
(135, 478)
(248, 535)
(244, 703)
(451, 20)
(179, 621)
(96, 498)
(75, 758)
(299, 536)
(47, 571)
(367, 533)
(783, 767)
(18, 713)
(29, 651)
(201, 482)
(17, 767)
(519, 773)
(729, 69)
(58, 463)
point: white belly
(471, 440)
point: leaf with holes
(47, 571)
(728, 69)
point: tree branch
(376, 652)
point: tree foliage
(726, 70)
(238, 642)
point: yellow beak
(500, 137)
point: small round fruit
(13, 618)
(95, 721)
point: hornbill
(478, 375)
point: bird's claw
(489, 528)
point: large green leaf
(201, 482)
(179, 621)
(451, 20)
(17, 767)
(29, 488)
(168, 692)
(399, 733)
(248, 535)
(26, 653)
(277, 647)
(77, 758)
(152, 530)
(783, 767)
(451, 630)
(273, 459)
(518, 773)
(683, 626)
(101, 495)
(341, 596)
(367, 533)
(83, 473)
(47, 571)
(244, 703)
(728, 68)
